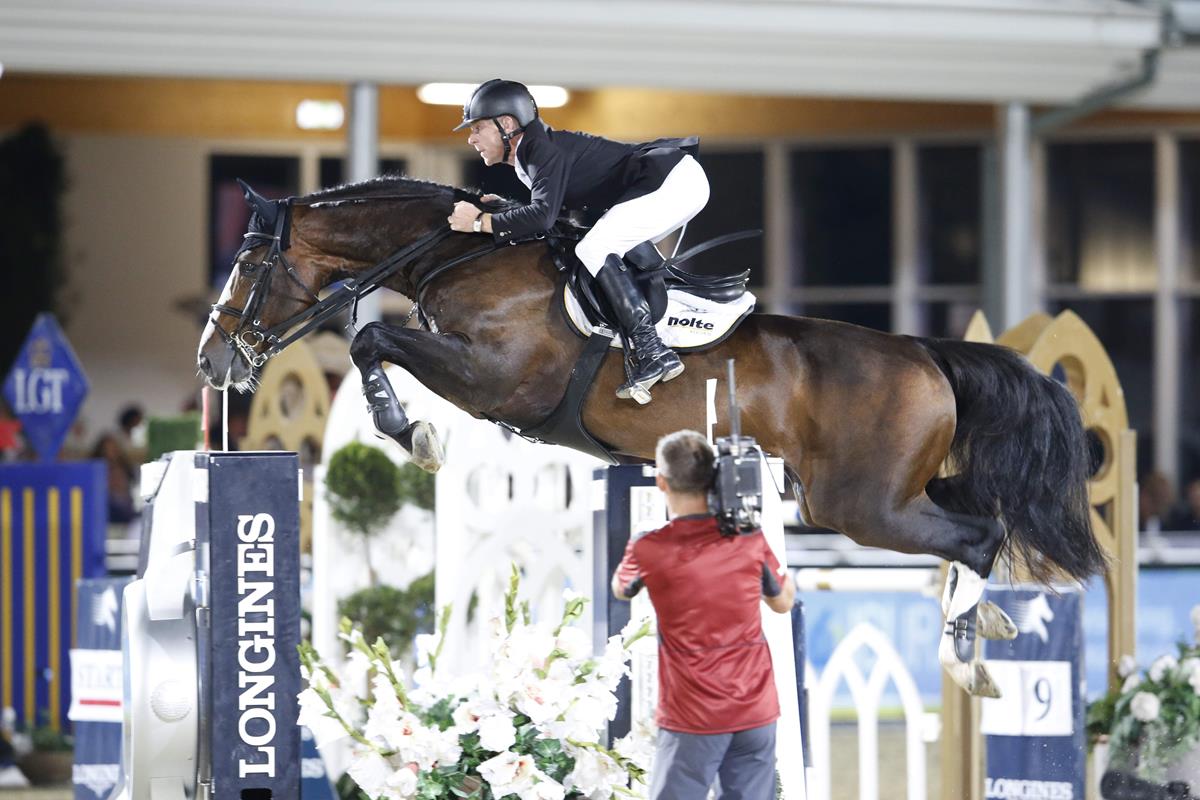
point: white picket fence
(866, 690)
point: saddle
(653, 273)
(564, 425)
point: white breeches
(652, 216)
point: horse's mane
(390, 187)
(395, 187)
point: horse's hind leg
(970, 543)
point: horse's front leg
(417, 352)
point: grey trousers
(686, 763)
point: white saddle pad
(690, 322)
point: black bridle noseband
(250, 334)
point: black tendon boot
(385, 409)
(647, 359)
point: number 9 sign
(1036, 699)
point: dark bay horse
(863, 420)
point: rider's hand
(462, 219)
(491, 198)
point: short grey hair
(685, 459)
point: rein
(250, 333)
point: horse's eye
(247, 268)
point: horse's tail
(1021, 454)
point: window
(950, 189)
(1189, 212)
(1126, 327)
(842, 217)
(273, 177)
(1100, 215)
(947, 320)
(1189, 386)
(868, 315)
(500, 179)
(333, 168)
(735, 203)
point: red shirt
(714, 666)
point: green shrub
(397, 615)
(364, 491)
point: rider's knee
(592, 254)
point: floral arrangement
(1154, 718)
(529, 726)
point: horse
(956, 449)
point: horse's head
(266, 287)
(296, 247)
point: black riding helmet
(495, 98)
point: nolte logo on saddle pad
(689, 322)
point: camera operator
(717, 704)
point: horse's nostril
(205, 365)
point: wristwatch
(477, 225)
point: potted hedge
(50, 762)
(365, 492)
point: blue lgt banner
(45, 387)
(1035, 732)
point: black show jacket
(578, 171)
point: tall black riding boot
(385, 408)
(648, 360)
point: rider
(646, 191)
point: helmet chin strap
(506, 137)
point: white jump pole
(777, 628)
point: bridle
(250, 334)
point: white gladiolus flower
(575, 643)
(354, 673)
(591, 712)
(371, 772)
(425, 643)
(546, 788)
(528, 646)
(403, 782)
(508, 773)
(542, 700)
(444, 747)
(1145, 706)
(532, 672)
(1190, 667)
(1161, 666)
(496, 733)
(595, 774)
(1126, 666)
(638, 746)
(312, 716)
(429, 688)
(1131, 683)
(403, 734)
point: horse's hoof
(982, 684)
(973, 678)
(426, 452)
(994, 623)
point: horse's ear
(266, 209)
